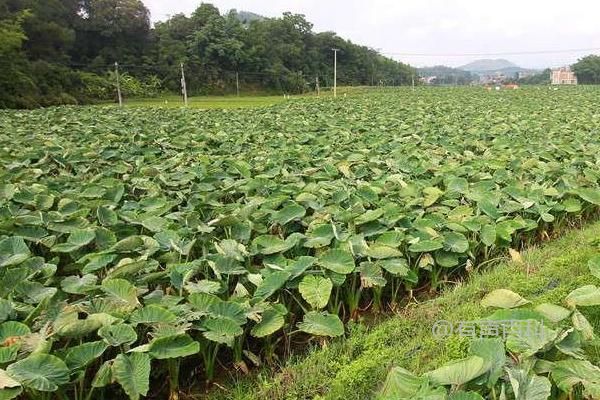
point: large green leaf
(527, 337)
(503, 298)
(400, 384)
(269, 244)
(321, 324)
(492, 351)
(13, 251)
(104, 375)
(152, 314)
(289, 213)
(203, 302)
(588, 295)
(221, 330)
(459, 372)
(79, 285)
(41, 372)
(122, 290)
(116, 335)
(368, 216)
(591, 195)
(270, 322)
(154, 223)
(395, 266)
(106, 216)
(84, 354)
(569, 373)
(528, 386)
(175, 346)
(128, 245)
(456, 242)
(76, 240)
(12, 329)
(581, 323)
(553, 312)
(379, 251)
(425, 246)
(315, 290)
(69, 325)
(319, 236)
(488, 207)
(337, 260)
(488, 235)
(133, 373)
(431, 195)
(272, 283)
(594, 266)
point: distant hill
(245, 17)
(487, 65)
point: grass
(206, 102)
(354, 367)
(227, 101)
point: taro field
(144, 252)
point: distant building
(496, 78)
(428, 80)
(563, 76)
(525, 74)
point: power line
(502, 53)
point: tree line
(63, 52)
(587, 70)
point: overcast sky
(445, 27)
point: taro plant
(175, 244)
(539, 353)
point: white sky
(439, 26)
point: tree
(50, 29)
(542, 78)
(587, 69)
(14, 78)
(61, 51)
(115, 30)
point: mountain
(245, 17)
(487, 65)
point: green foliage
(587, 69)
(354, 368)
(171, 244)
(63, 52)
(542, 78)
(542, 362)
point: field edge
(354, 367)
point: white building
(563, 76)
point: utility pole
(413, 82)
(375, 55)
(118, 85)
(372, 73)
(317, 88)
(335, 71)
(237, 83)
(183, 86)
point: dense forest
(64, 51)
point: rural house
(563, 76)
